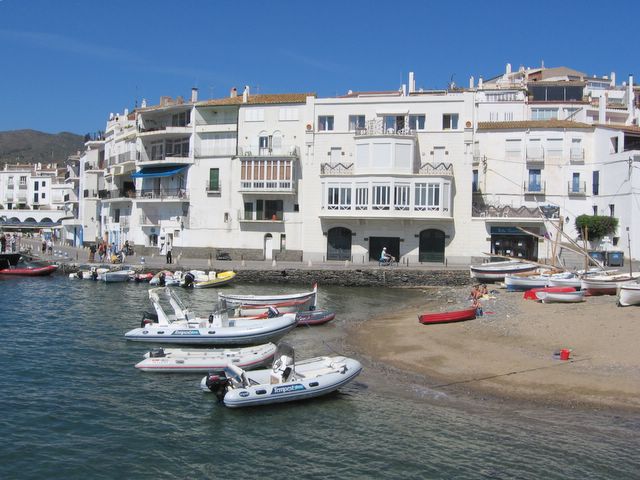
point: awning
(148, 172)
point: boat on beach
(574, 296)
(183, 327)
(288, 380)
(515, 282)
(195, 360)
(266, 300)
(532, 294)
(288, 306)
(448, 317)
(607, 284)
(629, 294)
(496, 271)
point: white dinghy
(629, 294)
(190, 360)
(561, 297)
(237, 300)
(286, 381)
(183, 327)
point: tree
(597, 226)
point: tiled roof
(531, 124)
(260, 99)
(623, 128)
(378, 93)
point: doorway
(431, 246)
(268, 247)
(339, 244)
(376, 244)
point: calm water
(74, 407)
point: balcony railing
(10, 186)
(441, 169)
(162, 194)
(118, 194)
(282, 151)
(336, 168)
(534, 187)
(183, 157)
(579, 188)
(266, 185)
(377, 127)
(22, 186)
(504, 211)
(200, 152)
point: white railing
(441, 169)
(282, 151)
(336, 169)
(376, 127)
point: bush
(597, 226)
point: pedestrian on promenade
(3, 243)
(169, 258)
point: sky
(66, 65)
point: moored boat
(207, 280)
(288, 380)
(448, 317)
(495, 271)
(607, 284)
(182, 327)
(205, 360)
(289, 306)
(629, 294)
(29, 270)
(113, 276)
(237, 300)
(315, 317)
(561, 297)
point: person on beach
(475, 292)
(478, 306)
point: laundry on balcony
(149, 172)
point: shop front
(513, 242)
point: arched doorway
(431, 246)
(268, 246)
(339, 244)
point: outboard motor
(272, 312)
(162, 279)
(218, 385)
(157, 353)
(188, 280)
(94, 274)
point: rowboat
(607, 284)
(188, 360)
(288, 306)
(116, 276)
(29, 270)
(561, 297)
(532, 294)
(629, 294)
(210, 280)
(237, 300)
(315, 317)
(448, 317)
(288, 380)
(495, 271)
(515, 283)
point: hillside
(31, 146)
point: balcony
(70, 198)
(215, 151)
(576, 155)
(535, 155)
(164, 130)
(477, 159)
(118, 195)
(337, 169)
(284, 151)
(169, 158)
(441, 169)
(146, 221)
(90, 194)
(376, 128)
(91, 167)
(577, 188)
(266, 176)
(534, 188)
(162, 194)
(505, 211)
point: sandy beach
(509, 352)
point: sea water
(74, 406)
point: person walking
(169, 257)
(3, 243)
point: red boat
(531, 294)
(315, 317)
(447, 317)
(35, 271)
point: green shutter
(214, 177)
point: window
(401, 196)
(474, 183)
(450, 121)
(576, 152)
(44, 184)
(273, 210)
(575, 182)
(177, 148)
(427, 196)
(42, 195)
(595, 210)
(393, 123)
(336, 154)
(381, 197)
(214, 180)
(36, 185)
(535, 180)
(157, 151)
(362, 196)
(416, 122)
(288, 114)
(356, 122)
(554, 147)
(264, 144)
(614, 145)
(325, 123)
(116, 215)
(181, 119)
(502, 97)
(23, 181)
(612, 209)
(248, 210)
(254, 115)
(508, 116)
(596, 182)
(339, 197)
(544, 113)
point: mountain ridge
(33, 146)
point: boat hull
(561, 297)
(237, 300)
(315, 317)
(496, 271)
(629, 295)
(607, 286)
(532, 294)
(29, 272)
(515, 283)
(221, 279)
(448, 317)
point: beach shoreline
(509, 352)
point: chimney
(412, 83)
(602, 108)
(507, 70)
(480, 83)
(233, 92)
(143, 104)
(245, 94)
(613, 79)
(126, 112)
(404, 89)
(630, 95)
(194, 95)
(472, 82)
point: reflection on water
(75, 407)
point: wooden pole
(629, 242)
